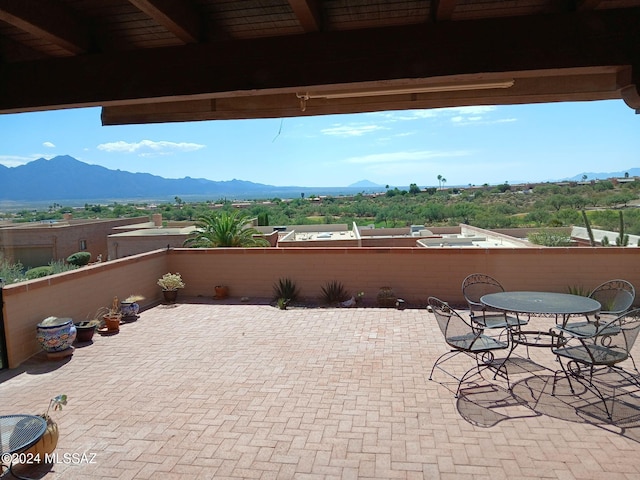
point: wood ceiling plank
(588, 4)
(442, 10)
(325, 60)
(177, 17)
(46, 20)
(308, 13)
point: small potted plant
(222, 291)
(113, 316)
(129, 307)
(86, 329)
(49, 439)
(170, 283)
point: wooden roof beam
(46, 20)
(308, 13)
(178, 17)
(629, 83)
(442, 10)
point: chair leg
(487, 363)
(634, 363)
(450, 354)
(555, 378)
(582, 379)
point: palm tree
(224, 229)
(439, 182)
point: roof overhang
(571, 56)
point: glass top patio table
(548, 303)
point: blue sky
(469, 145)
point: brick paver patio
(208, 390)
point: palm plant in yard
(224, 229)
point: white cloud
(350, 130)
(405, 157)
(406, 115)
(472, 110)
(48, 145)
(149, 148)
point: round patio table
(540, 303)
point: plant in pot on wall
(170, 283)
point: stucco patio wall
(413, 273)
(76, 294)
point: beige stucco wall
(413, 273)
(75, 294)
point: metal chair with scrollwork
(465, 337)
(601, 351)
(616, 297)
(476, 285)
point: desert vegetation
(500, 206)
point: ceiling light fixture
(456, 87)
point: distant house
(35, 244)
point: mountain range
(64, 178)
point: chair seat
(498, 320)
(474, 343)
(601, 355)
(587, 329)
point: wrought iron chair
(616, 297)
(605, 348)
(464, 337)
(474, 287)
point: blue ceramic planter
(56, 334)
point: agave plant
(285, 289)
(334, 292)
(224, 229)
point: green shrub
(285, 289)
(334, 292)
(549, 239)
(10, 272)
(39, 272)
(79, 259)
(60, 266)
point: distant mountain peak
(364, 184)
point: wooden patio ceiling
(149, 61)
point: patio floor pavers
(226, 390)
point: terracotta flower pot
(47, 443)
(222, 291)
(112, 322)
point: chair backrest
(624, 328)
(475, 286)
(615, 296)
(451, 324)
